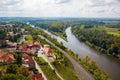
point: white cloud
(60, 8)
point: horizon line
(59, 17)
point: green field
(65, 71)
(49, 73)
(113, 31)
(28, 38)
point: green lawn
(29, 38)
(82, 26)
(114, 33)
(66, 71)
(50, 74)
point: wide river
(107, 63)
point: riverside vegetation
(105, 39)
(86, 62)
(62, 65)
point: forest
(102, 35)
(104, 38)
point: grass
(50, 74)
(28, 38)
(66, 71)
(114, 33)
(112, 29)
(82, 26)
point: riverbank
(104, 62)
(89, 65)
(80, 71)
(99, 39)
(61, 59)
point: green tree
(24, 71)
(12, 68)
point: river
(107, 63)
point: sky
(60, 8)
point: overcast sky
(60, 8)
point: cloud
(6, 3)
(95, 3)
(60, 8)
(61, 1)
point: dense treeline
(15, 72)
(113, 25)
(53, 26)
(99, 39)
(3, 33)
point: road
(22, 39)
(39, 70)
(46, 59)
(36, 65)
(80, 71)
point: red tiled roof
(28, 50)
(27, 59)
(37, 77)
(23, 47)
(2, 53)
(36, 43)
(48, 51)
(7, 58)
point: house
(36, 44)
(6, 58)
(47, 50)
(12, 45)
(30, 44)
(23, 47)
(49, 53)
(2, 53)
(37, 77)
(31, 47)
(27, 61)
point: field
(50, 74)
(65, 71)
(28, 38)
(111, 31)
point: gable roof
(26, 59)
(2, 53)
(7, 58)
(37, 77)
(36, 43)
(48, 51)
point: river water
(107, 63)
